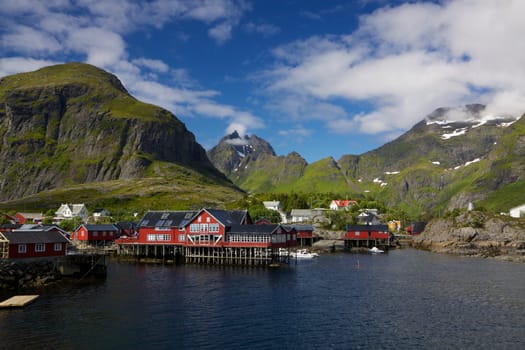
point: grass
(141, 194)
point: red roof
(342, 203)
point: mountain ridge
(441, 163)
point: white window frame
(40, 247)
(58, 247)
(22, 248)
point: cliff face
(75, 123)
(475, 234)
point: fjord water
(404, 299)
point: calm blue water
(403, 299)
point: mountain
(452, 157)
(73, 124)
(251, 163)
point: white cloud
(221, 32)
(155, 65)
(13, 65)
(404, 61)
(102, 47)
(297, 131)
(241, 130)
(266, 29)
(28, 40)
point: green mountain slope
(74, 124)
(436, 166)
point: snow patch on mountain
(461, 119)
(467, 163)
(457, 132)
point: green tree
(70, 224)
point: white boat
(284, 252)
(303, 254)
(376, 250)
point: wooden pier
(203, 255)
(18, 301)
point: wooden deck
(18, 301)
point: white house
(100, 213)
(69, 211)
(272, 205)
(518, 212)
(276, 205)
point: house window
(40, 247)
(22, 248)
(95, 233)
(58, 247)
(182, 237)
(194, 227)
(357, 233)
(214, 227)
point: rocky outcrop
(20, 275)
(475, 234)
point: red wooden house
(208, 227)
(305, 234)
(366, 235)
(95, 235)
(160, 227)
(207, 235)
(35, 243)
(29, 218)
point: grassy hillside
(163, 188)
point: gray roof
(183, 217)
(35, 236)
(101, 227)
(300, 227)
(367, 227)
(167, 218)
(228, 217)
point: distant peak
(456, 114)
(234, 135)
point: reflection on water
(403, 299)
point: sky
(322, 78)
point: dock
(18, 301)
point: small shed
(35, 244)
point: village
(205, 236)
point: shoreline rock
(475, 234)
(22, 275)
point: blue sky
(323, 78)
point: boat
(284, 252)
(375, 250)
(303, 254)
